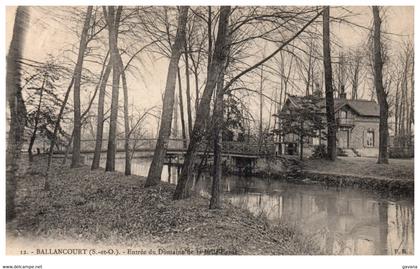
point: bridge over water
(179, 147)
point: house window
(370, 138)
(343, 114)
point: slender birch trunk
(217, 64)
(75, 159)
(155, 171)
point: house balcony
(345, 122)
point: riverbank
(397, 169)
(94, 208)
(393, 180)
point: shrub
(319, 152)
(401, 153)
(341, 152)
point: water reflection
(342, 221)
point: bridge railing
(137, 144)
(228, 147)
(234, 147)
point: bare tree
(184, 183)
(181, 109)
(155, 170)
(75, 160)
(188, 88)
(100, 118)
(55, 133)
(380, 90)
(127, 170)
(16, 107)
(354, 69)
(307, 63)
(411, 118)
(216, 68)
(106, 70)
(329, 93)
(341, 76)
(405, 96)
(94, 30)
(215, 201)
(113, 19)
(38, 111)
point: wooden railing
(228, 147)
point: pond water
(343, 221)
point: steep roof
(361, 107)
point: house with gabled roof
(357, 127)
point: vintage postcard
(165, 130)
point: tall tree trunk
(100, 119)
(407, 124)
(411, 121)
(341, 75)
(75, 159)
(55, 133)
(260, 129)
(38, 111)
(155, 171)
(408, 113)
(83, 116)
(197, 90)
(278, 125)
(181, 109)
(113, 22)
(301, 141)
(396, 112)
(329, 92)
(310, 68)
(209, 39)
(215, 201)
(401, 108)
(66, 154)
(16, 107)
(127, 170)
(404, 104)
(175, 125)
(407, 105)
(355, 79)
(380, 91)
(188, 88)
(216, 68)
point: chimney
(343, 94)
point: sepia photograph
(197, 130)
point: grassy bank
(393, 180)
(109, 209)
(386, 187)
(397, 169)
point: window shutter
(364, 139)
(374, 138)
